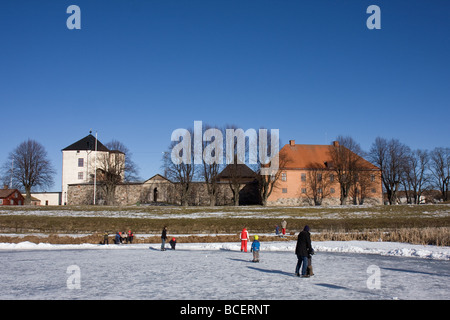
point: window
(303, 190)
(374, 190)
(80, 175)
(303, 177)
(332, 190)
(283, 176)
(319, 177)
(1, 201)
(80, 162)
(284, 190)
(319, 190)
(331, 177)
(11, 202)
(372, 177)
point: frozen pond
(143, 273)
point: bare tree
(113, 168)
(267, 183)
(346, 163)
(365, 180)
(178, 164)
(211, 161)
(28, 166)
(319, 182)
(130, 168)
(390, 156)
(415, 177)
(440, 168)
(110, 172)
(236, 172)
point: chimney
(335, 143)
(292, 142)
(5, 186)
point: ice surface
(215, 271)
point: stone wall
(132, 193)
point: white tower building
(79, 161)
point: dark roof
(87, 143)
(237, 170)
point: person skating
(302, 251)
(244, 238)
(255, 249)
(163, 239)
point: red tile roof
(304, 156)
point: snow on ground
(171, 212)
(212, 271)
(366, 247)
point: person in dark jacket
(173, 243)
(117, 238)
(302, 250)
(163, 239)
(105, 238)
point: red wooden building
(11, 197)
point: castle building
(79, 162)
(310, 175)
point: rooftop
(87, 143)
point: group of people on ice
(256, 246)
(120, 237)
(283, 229)
(303, 250)
(172, 242)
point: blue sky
(137, 70)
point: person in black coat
(163, 239)
(303, 250)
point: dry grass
(425, 236)
(419, 224)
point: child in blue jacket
(255, 249)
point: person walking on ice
(244, 238)
(255, 249)
(163, 239)
(303, 250)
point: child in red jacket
(244, 238)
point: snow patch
(361, 247)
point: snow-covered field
(247, 212)
(213, 271)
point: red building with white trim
(11, 197)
